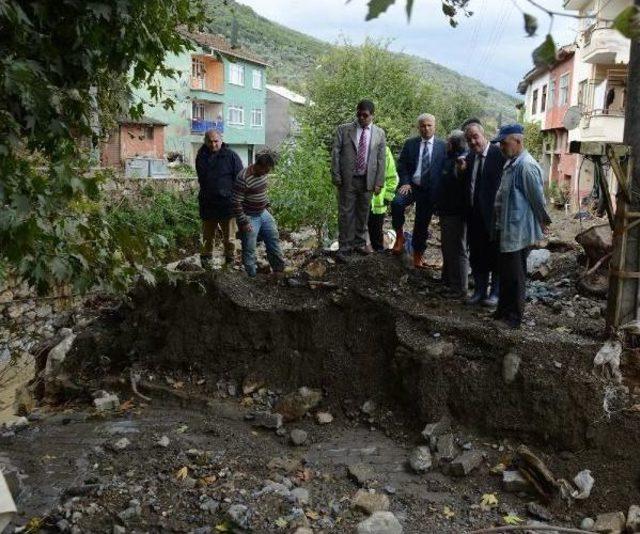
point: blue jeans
(263, 228)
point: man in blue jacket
(217, 167)
(521, 219)
(420, 167)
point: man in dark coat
(420, 167)
(483, 174)
(217, 167)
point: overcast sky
(490, 46)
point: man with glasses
(357, 170)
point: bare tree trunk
(624, 284)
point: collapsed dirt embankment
(383, 334)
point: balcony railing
(201, 126)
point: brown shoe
(418, 261)
(398, 246)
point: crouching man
(254, 221)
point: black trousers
(376, 236)
(483, 252)
(512, 267)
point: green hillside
(291, 55)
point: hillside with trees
(292, 54)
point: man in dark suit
(483, 172)
(420, 167)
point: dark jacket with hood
(216, 174)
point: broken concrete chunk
(446, 447)
(300, 496)
(633, 518)
(163, 442)
(465, 463)
(120, 444)
(239, 515)
(514, 482)
(380, 523)
(106, 402)
(324, 418)
(510, 366)
(298, 437)
(361, 473)
(370, 502)
(268, 420)
(58, 353)
(587, 524)
(612, 523)
(368, 407)
(420, 459)
(433, 430)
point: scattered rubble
(298, 437)
(295, 405)
(371, 502)
(611, 523)
(420, 459)
(380, 523)
(324, 418)
(466, 462)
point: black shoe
(342, 257)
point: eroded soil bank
(373, 332)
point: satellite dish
(572, 118)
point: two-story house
(218, 86)
(548, 96)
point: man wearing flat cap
(520, 218)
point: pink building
(142, 137)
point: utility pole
(624, 275)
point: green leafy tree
(534, 139)
(62, 67)
(301, 191)
(350, 73)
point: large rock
(446, 447)
(268, 420)
(597, 242)
(612, 523)
(295, 405)
(510, 366)
(466, 462)
(514, 482)
(433, 430)
(239, 515)
(371, 502)
(420, 459)
(536, 259)
(380, 523)
(58, 353)
(361, 473)
(633, 518)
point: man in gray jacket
(357, 170)
(521, 219)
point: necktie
(426, 160)
(362, 152)
(474, 185)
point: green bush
(169, 220)
(301, 190)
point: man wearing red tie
(357, 170)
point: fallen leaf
(178, 385)
(281, 522)
(34, 525)
(488, 501)
(209, 479)
(512, 519)
(126, 406)
(448, 512)
(182, 473)
(304, 475)
(225, 526)
(182, 429)
(314, 516)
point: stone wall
(121, 187)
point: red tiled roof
(219, 43)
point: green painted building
(219, 87)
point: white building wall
(537, 84)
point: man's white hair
(425, 117)
(474, 125)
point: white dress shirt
(367, 141)
(428, 144)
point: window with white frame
(197, 111)
(257, 79)
(236, 74)
(552, 94)
(236, 115)
(563, 91)
(256, 117)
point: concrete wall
(279, 119)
